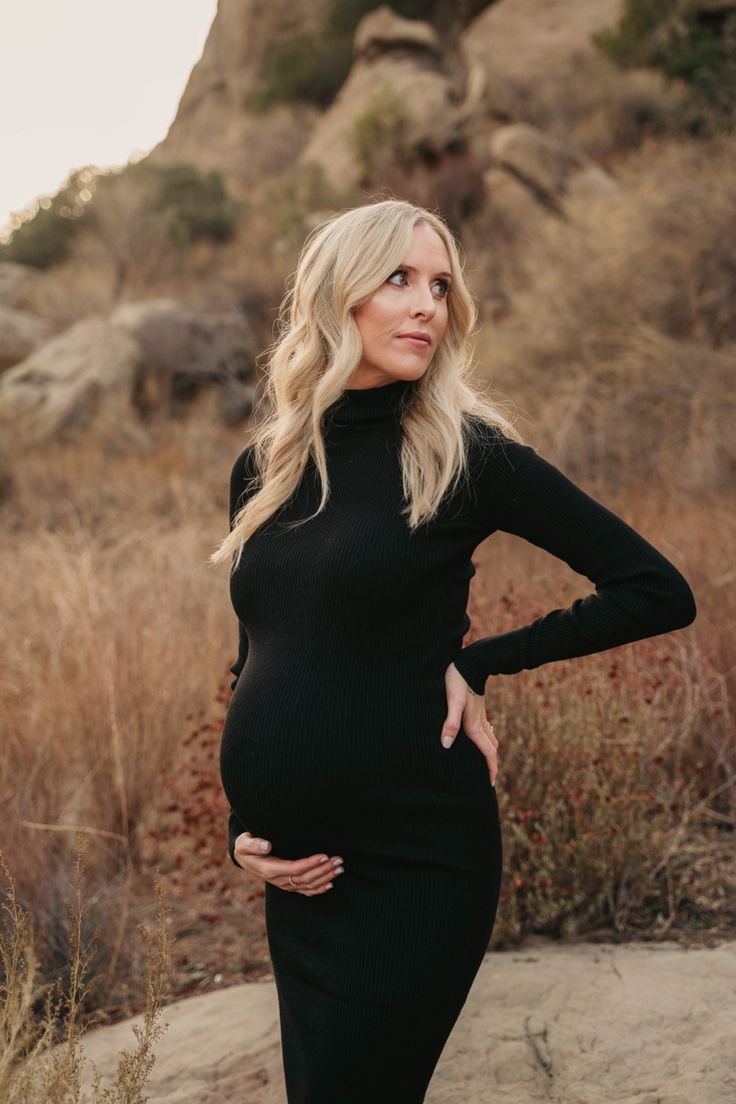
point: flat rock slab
(575, 1023)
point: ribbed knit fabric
(331, 741)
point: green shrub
(631, 42)
(343, 16)
(190, 205)
(196, 202)
(682, 40)
(380, 132)
(301, 68)
(50, 225)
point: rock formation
(20, 333)
(405, 83)
(532, 170)
(521, 44)
(213, 128)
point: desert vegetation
(40, 1032)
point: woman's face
(413, 298)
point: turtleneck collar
(380, 405)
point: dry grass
(116, 633)
(40, 1056)
(618, 775)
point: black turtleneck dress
(331, 741)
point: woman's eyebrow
(412, 269)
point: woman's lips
(417, 342)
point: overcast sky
(92, 82)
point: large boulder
(83, 373)
(20, 333)
(111, 372)
(531, 170)
(182, 351)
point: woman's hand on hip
(466, 707)
(309, 876)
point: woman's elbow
(683, 608)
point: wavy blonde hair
(343, 261)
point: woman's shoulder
(489, 441)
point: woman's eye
(445, 283)
(399, 272)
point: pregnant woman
(357, 730)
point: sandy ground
(580, 1023)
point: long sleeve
(638, 592)
(238, 476)
(240, 473)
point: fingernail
(447, 741)
(323, 859)
(263, 845)
(337, 862)
(340, 870)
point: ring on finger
(292, 882)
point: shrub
(616, 784)
(342, 16)
(304, 68)
(127, 209)
(380, 133)
(193, 204)
(48, 227)
(683, 41)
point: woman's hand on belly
(466, 707)
(309, 876)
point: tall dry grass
(41, 1057)
(116, 632)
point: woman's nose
(424, 302)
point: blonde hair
(343, 261)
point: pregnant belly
(310, 776)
